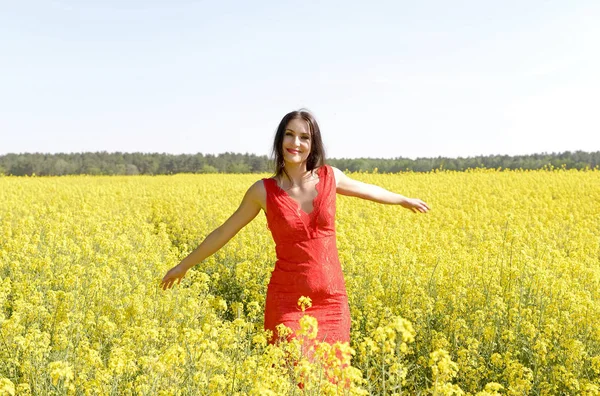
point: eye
(305, 137)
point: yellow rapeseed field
(495, 291)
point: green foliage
(104, 163)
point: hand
(175, 273)
(416, 205)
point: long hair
(315, 159)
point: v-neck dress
(307, 262)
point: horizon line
(327, 158)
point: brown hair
(315, 159)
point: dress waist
(310, 250)
(310, 267)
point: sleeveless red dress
(307, 262)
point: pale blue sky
(384, 78)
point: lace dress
(307, 262)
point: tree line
(105, 163)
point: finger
(424, 204)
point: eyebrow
(291, 130)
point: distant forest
(104, 163)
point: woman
(299, 204)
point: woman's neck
(297, 173)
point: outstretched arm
(355, 188)
(248, 209)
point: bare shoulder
(339, 175)
(258, 193)
(345, 185)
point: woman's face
(297, 141)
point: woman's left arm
(355, 188)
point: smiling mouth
(293, 151)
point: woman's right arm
(247, 211)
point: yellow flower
(283, 331)
(60, 370)
(308, 327)
(6, 387)
(304, 303)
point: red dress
(307, 262)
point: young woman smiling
(299, 202)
